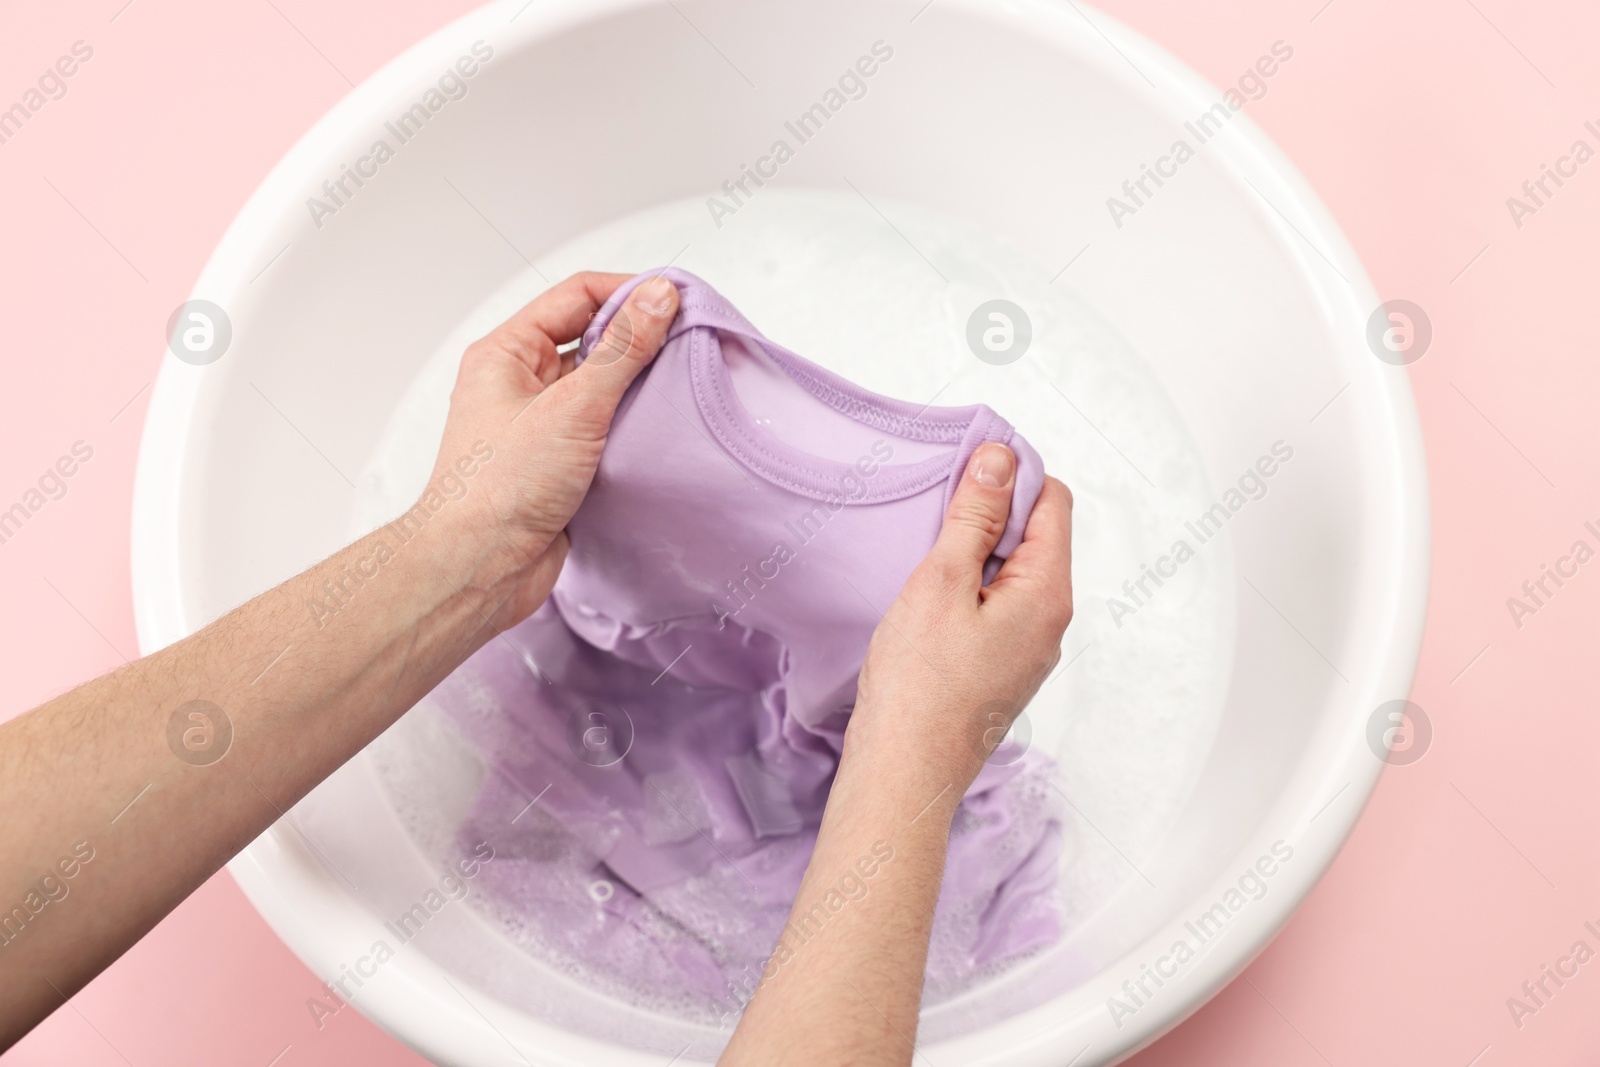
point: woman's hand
(947, 670)
(954, 661)
(545, 423)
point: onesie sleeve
(986, 427)
(1024, 494)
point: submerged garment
(661, 735)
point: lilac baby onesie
(678, 706)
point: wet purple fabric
(661, 735)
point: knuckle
(623, 340)
(475, 354)
(980, 517)
(610, 350)
(511, 339)
(490, 346)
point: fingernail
(655, 297)
(993, 465)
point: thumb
(631, 340)
(978, 512)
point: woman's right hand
(954, 661)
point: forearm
(844, 982)
(305, 675)
(847, 989)
(118, 803)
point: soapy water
(1129, 715)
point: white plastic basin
(1230, 282)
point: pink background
(1414, 123)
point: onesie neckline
(806, 473)
(702, 312)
